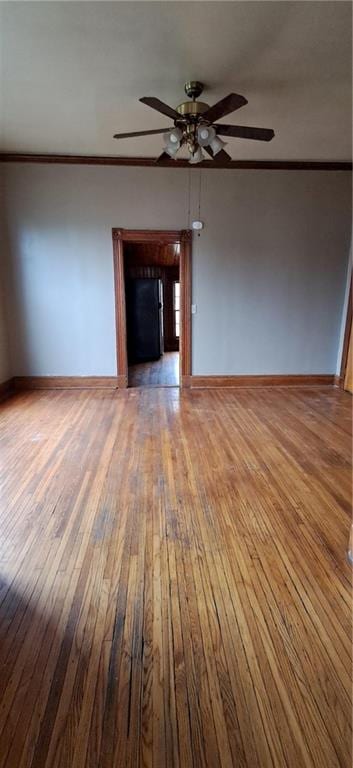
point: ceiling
(72, 73)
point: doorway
(153, 293)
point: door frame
(183, 238)
(347, 336)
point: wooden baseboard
(7, 389)
(66, 382)
(194, 382)
(295, 380)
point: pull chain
(189, 198)
(200, 172)
(199, 201)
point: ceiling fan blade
(222, 155)
(160, 107)
(139, 133)
(163, 158)
(224, 107)
(245, 132)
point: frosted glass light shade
(197, 157)
(175, 135)
(217, 144)
(205, 134)
(171, 149)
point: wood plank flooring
(157, 373)
(174, 588)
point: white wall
(269, 268)
(271, 271)
(60, 224)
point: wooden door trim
(167, 237)
(347, 335)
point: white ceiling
(72, 73)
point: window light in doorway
(176, 305)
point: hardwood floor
(174, 586)
(158, 373)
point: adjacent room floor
(157, 373)
(174, 589)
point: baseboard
(295, 380)
(66, 382)
(339, 381)
(7, 389)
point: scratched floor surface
(174, 591)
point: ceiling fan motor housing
(192, 109)
(193, 89)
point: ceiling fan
(195, 126)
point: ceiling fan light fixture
(196, 125)
(172, 149)
(217, 144)
(175, 136)
(196, 157)
(205, 134)
(170, 142)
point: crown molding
(148, 162)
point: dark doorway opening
(153, 292)
(152, 289)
